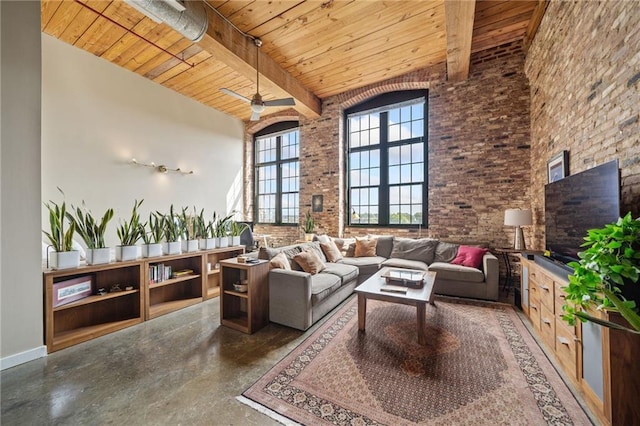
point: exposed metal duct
(191, 21)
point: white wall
(21, 277)
(97, 116)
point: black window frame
(383, 103)
(275, 130)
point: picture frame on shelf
(68, 291)
(558, 166)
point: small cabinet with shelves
(172, 283)
(244, 311)
(96, 314)
(212, 266)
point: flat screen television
(577, 203)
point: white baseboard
(22, 357)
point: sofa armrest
(491, 269)
(290, 298)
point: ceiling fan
(257, 104)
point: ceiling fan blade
(235, 95)
(280, 102)
(255, 116)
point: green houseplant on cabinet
(187, 231)
(204, 231)
(608, 269)
(221, 231)
(129, 234)
(171, 227)
(235, 230)
(308, 226)
(63, 257)
(152, 238)
(92, 233)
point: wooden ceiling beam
(534, 23)
(226, 44)
(459, 17)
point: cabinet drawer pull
(534, 307)
(544, 287)
(563, 341)
(546, 321)
(561, 296)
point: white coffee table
(370, 289)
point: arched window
(387, 177)
(277, 174)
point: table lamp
(518, 218)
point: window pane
(394, 156)
(374, 158)
(417, 152)
(394, 175)
(394, 132)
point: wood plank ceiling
(311, 49)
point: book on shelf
(182, 273)
(159, 272)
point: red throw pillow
(469, 256)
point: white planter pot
(124, 253)
(222, 242)
(98, 256)
(189, 246)
(64, 259)
(173, 247)
(235, 241)
(151, 250)
(207, 243)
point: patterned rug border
(526, 350)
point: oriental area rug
(480, 367)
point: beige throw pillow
(280, 261)
(309, 261)
(331, 251)
(365, 247)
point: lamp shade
(518, 217)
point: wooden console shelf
(584, 352)
(97, 315)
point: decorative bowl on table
(242, 288)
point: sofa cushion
(422, 249)
(384, 246)
(345, 272)
(280, 261)
(405, 263)
(365, 247)
(309, 261)
(315, 246)
(323, 286)
(469, 256)
(325, 239)
(445, 252)
(331, 251)
(448, 271)
(366, 265)
(268, 253)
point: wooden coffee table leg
(362, 311)
(422, 322)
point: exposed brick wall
(478, 151)
(584, 71)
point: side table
(505, 252)
(244, 311)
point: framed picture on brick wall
(558, 166)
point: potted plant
(235, 230)
(189, 239)
(205, 231)
(92, 233)
(608, 269)
(171, 228)
(152, 246)
(221, 231)
(63, 257)
(308, 226)
(129, 234)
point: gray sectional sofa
(298, 299)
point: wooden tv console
(600, 363)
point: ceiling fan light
(257, 108)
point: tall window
(387, 152)
(277, 171)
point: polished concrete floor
(182, 368)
